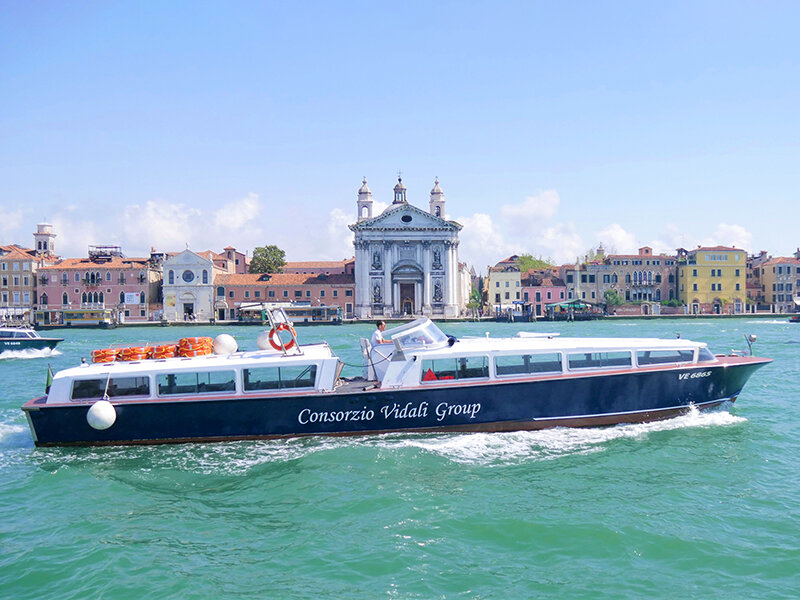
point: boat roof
(257, 358)
(573, 343)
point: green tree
(527, 262)
(612, 298)
(267, 259)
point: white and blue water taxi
(425, 381)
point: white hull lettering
(446, 410)
(307, 416)
(406, 411)
(696, 375)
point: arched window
(64, 299)
(83, 298)
(102, 298)
(205, 276)
(614, 278)
(220, 292)
(86, 275)
(627, 277)
(122, 297)
(658, 295)
(96, 298)
(108, 275)
(141, 297)
(171, 277)
(438, 211)
(44, 299)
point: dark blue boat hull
(573, 401)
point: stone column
(388, 296)
(426, 279)
(450, 291)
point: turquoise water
(702, 506)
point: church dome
(399, 185)
(436, 189)
(364, 188)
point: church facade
(406, 259)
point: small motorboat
(25, 338)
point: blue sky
(552, 127)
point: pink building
(540, 288)
(105, 280)
(236, 289)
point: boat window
(117, 387)
(465, 367)
(528, 363)
(660, 357)
(705, 355)
(416, 333)
(594, 360)
(193, 382)
(274, 378)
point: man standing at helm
(377, 335)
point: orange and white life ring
(104, 355)
(275, 336)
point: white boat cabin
(423, 355)
(420, 355)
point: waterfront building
(712, 279)
(234, 290)
(755, 293)
(17, 282)
(504, 286)
(644, 278)
(406, 259)
(105, 280)
(541, 287)
(780, 283)
(188, 285)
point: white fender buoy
(263, 341)
(225, 344)
(101, 415)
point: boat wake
(29, 353)
(522, 446)
(783, 321)
(481, 449)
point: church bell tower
(437, 200)
(364, 201)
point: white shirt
(377, 337)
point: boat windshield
(421, 332)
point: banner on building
(131, 298)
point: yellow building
(712, 280)
(780, 283)
(503, 286)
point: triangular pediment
(187, 258)
(405, 217)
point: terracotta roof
(318, 264)
(782, 260)
(13, 251)
(717, 248)
(85, 263)
(284, 279)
